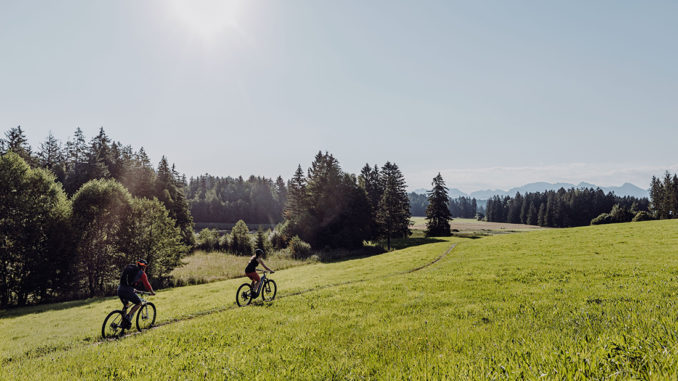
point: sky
(491, 94)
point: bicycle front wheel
(244, 295)
(146, 316)
(113, 325)
(269, 290)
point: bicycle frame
(261, 282)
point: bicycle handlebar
(142, 292)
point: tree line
(461, 207)
(664, 196)
(563, 208)
(257, 200)
(71, 217)
(329, 208)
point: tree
(52, 158)
(169, 191)
(438, 213)
(100, 208)
(370, 182)
(393, 213)
(34, 233)
(16, 142)
(241, 243)
(149, 232)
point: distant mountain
(627, 189)
(453, 192)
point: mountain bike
(113, 324)
(267, 288)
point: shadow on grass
(40, 308)
(374, 248)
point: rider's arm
(144, 281)
(261, 262)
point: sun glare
(207, 18)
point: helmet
(258, 252)
(142, 263)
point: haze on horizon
(492, 94)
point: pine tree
(16, 142)
(438, 212)
(296, 196)
(393, 214)
(52, 157)
(541, 215)
(370, 182)
(532, 214)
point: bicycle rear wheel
(269, 290)
(113, 325)
(244, 295)
(146, 316)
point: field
(591, 302)
(470, 225)
(202, 267)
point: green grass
(593, 302)
(202, 267)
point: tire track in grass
(38, 352)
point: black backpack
(130, 275)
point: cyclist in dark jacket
(133, 277)
(251, 269)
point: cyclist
(251, 269)
(133, 277)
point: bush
(207, 240)
(299, 249)
(224, 244)
(619, 214)
(642, 216)
(603, 218)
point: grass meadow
(592, 302)
(203, 267)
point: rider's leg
(134, 309)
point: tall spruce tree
(438, 212)
(370, 182)
(16, 142)
(393, 214)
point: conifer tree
(370, 182)
(52, 157)
(438, 211)
(16, 142)
(393, 214)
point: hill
(591, 302)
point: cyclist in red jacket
(133, 277)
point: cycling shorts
(254, 276)
(127, 294)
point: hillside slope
(585, 302)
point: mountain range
(627, 189)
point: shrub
(603, 218)
(207, 240)
(619, 214)
(642, 216)
(299, 249)
(224, 244)
(277, 240)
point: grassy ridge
(593, 302)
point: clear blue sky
(493, 94)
